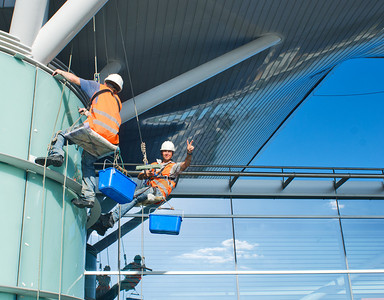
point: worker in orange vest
(159, 184)
(103, 117)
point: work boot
(152, 199)
(107, 220)
(81, 203)
(54, 160)
(99, 228)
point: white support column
(112, 67)
(177, 85)
(62, 27)
(28, 17)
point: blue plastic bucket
(164, 224)
(117, 186)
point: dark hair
(112, 85)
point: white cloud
(224, 254)
(334, 206)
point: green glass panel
(17, 79)
(54, 109)
(12, 182)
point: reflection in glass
(201, 205)
(368, 286)
(189, 287)
(361, 207)
(364, 243)
(269, 244)
(295, 207)
(292, 287)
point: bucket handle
(165, 208)
(105, 160)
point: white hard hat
(167, 145)
(116, 80)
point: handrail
(357, 174)
(267, 167)
(238, 272)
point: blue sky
(333, 127)
(341, 124)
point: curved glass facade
(265, 249)
(43, 234)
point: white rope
(62, 222)
(118, 255)
(142, 144)
(43, 187)
(142, 252)
(105, 38)
(96, 75)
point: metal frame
(254, 272)
(297, 183)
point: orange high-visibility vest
(105, 115)
(163, 181)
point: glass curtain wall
(259, 249)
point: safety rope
(142, 144)
(118, 255)
(96, 76)
(105, 38)
(62, 221)
(43, 186)
(142, 251)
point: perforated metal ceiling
(232, 115)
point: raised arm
(69, 76)
(185, 164)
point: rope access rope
(62, 221)
(96, 76)
(143, 148)
(142, 250)
(44, 177)
(142, 144)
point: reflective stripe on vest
(100, 112)
(105, 115)
(163, 182)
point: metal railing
(339, 174)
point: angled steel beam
(63, 27)
(125, 228)
(179, 84)
(340, 182)
(288, 181)
(27, 19)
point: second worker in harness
(103, 117)
(160, 184)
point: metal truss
(280, 182)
